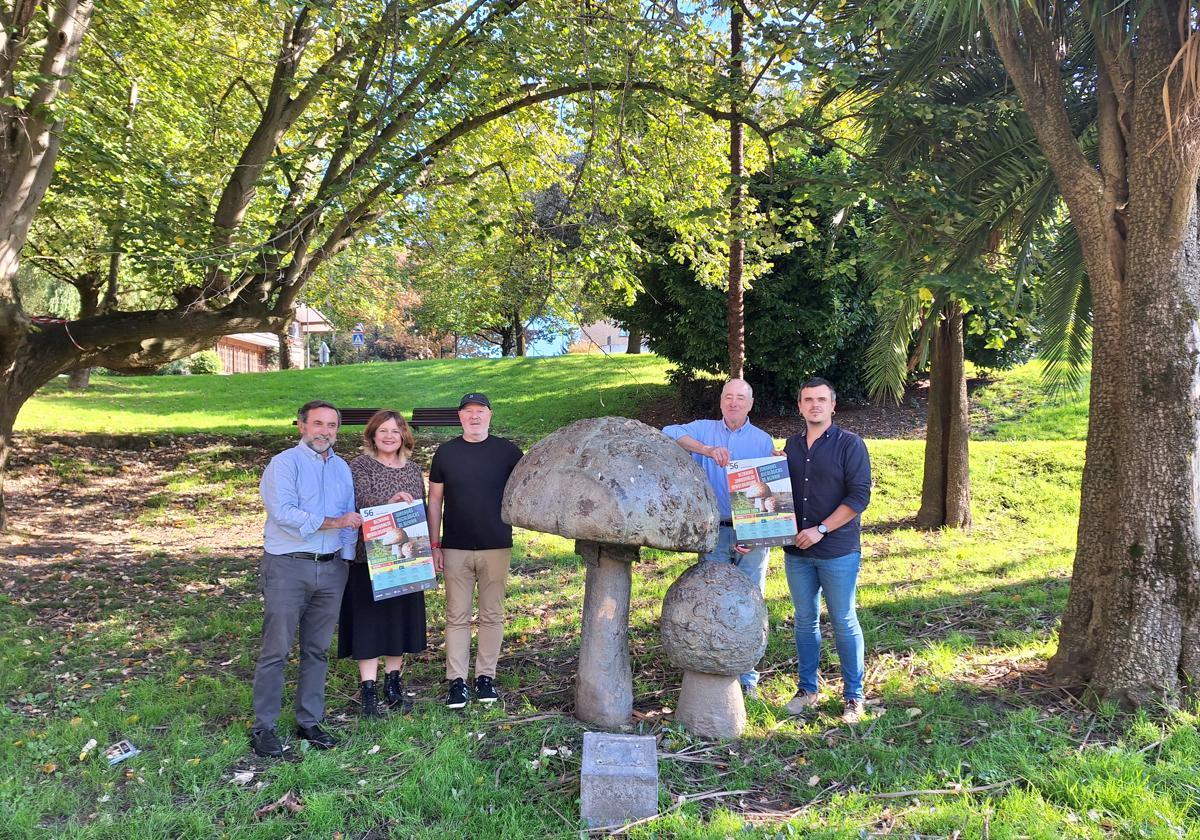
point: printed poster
(760, 495)
(399, 557)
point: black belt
(726, 523)
(312, 555)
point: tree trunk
(24, 373)
(735, 300)
(1149, 642)
(79, 379)
(1078, 635)
(1132, 625)
(635, 341)
(946, 489)
(8, 415)
(518, 328)
(285, 351)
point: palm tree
(970, 195)
(1111, 93)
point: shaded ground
(111, 534)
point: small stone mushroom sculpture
(714, 627)
(613, 485)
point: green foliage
(974, 213)
(206, 361)
(808, 313)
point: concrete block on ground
(619, 781)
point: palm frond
(1066, 316)
(887, 354)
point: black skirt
(369, 628)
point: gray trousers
(299, 595)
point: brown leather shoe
(802, 702)
(855, 711)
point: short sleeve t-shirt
(474, 475)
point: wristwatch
(822, 529)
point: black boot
(393, 689)
(370, 707)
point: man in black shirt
(466, 487)
(831, 487)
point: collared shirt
(748, 441)
(836, 470)
(299, 488)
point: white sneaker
(802, 701)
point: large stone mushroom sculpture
(613, 485)
(714, 627)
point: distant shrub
(206, 361)
(175, 368)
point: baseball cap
(478, 399)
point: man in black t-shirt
(466, 487)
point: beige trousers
(464, 570)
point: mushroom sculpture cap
(714, 620)
(613, 480)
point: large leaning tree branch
(29, 142)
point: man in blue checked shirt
(713, 444)
(311, 529)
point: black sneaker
(317, 737)
(484, 691)
(265, 742)
(457, 698)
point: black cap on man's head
(478, 399)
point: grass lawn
(531, 397)
(1017, 407)
(152, 637)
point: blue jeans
(753, 565)
(837, 578)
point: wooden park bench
(420, 416)
(434, 417)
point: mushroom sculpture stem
(611, 484)
(604, 685)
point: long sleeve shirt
(748, 441)
(835, 470)
(299, 489)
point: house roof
(262, 339)
(311, 320)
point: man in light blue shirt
(311, 529)
(713, 444)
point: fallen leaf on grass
(289, 802)
(813, 781)
(915, 712)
